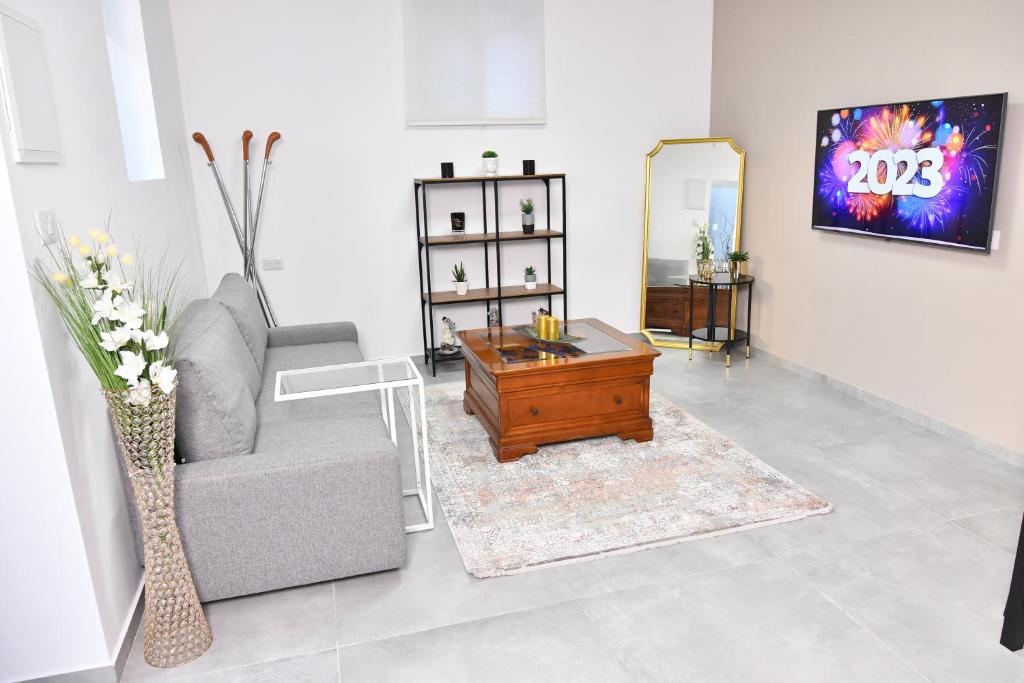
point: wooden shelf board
(478, 237)
(483, 178)
(491, 293)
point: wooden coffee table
(527, 392)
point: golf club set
(245, 233)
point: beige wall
(934, 329)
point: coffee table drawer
(571, 404)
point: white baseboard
(119, 656)
(974, 441)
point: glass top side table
(711, 332)
(384, 376)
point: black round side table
(711, 332)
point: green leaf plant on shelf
(530, 277)
(526, 206)
(705, 253)
(118, 315)
(736, 260)
(490, 159)
(460, 279)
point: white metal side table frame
(387, 388)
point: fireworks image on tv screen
(923, 171)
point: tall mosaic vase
(175, 630)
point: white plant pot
(462, 288)
(530, 281)
(491, 166)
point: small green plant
(526, 206)
(459, 273)
(738, 256)
(490, 154)
(529, 270)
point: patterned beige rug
(584, 499)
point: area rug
(584, 499)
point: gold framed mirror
(689, 183)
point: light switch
(46, 226)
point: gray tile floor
(904, 581)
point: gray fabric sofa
(271, 495)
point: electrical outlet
(46, 226)
(272, 263)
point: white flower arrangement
(118, 324)
(703, 242)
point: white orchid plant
(117, 315)
(703, 242)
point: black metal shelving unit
(486, 294)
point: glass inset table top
(578, 339)
(343, 378)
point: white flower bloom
(128, 312)
(132, 365)
(141, 394)
(91, 282)
(116, 284)
(163, 376)
(104, 307)
(137, 335)
(115, 339)
(155, 342)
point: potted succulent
(526, 206)
(705, 254)
(530, 277)
(736, 260)
(460, 279)
(490, 158)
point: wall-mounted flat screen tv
(918, 171)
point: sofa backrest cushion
(240, 301)
(216, 398)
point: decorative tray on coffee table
(531, 332)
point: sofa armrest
(316, 333)
(259, 522)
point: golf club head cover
(201, 140)
(274, 137)
(246, 137)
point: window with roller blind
(473, 62)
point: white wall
(51, 622)
(919, 325)
(339, 210)
(89, 182)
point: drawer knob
(618, 400)
(534, 411)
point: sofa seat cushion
(327, 423)
(330, 407)
(235, 295)
(315, 434)
(217, 385)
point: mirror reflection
(693, 187)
